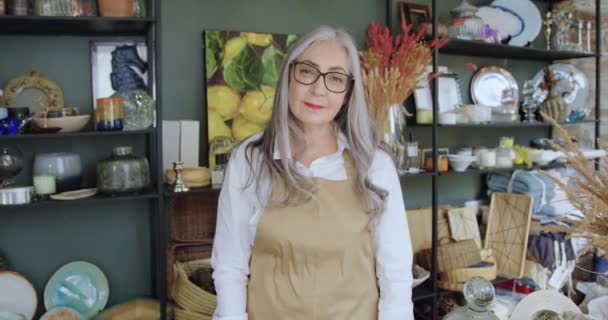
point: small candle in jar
(44, 185)
(488, 158)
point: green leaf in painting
(245, 71)
(291, 39)
(272, 58)
(214, 50)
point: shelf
(96, 199)
(41, 25)
(483, 49)
(503, 124)
(81, 134)
(419, 174)
(193, 191)
(496, 170)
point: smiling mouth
(314, 106)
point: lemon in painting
(217, 126)
(257, 39)
(223, 100)
(256, 106)
(242, 129)
(233, 47)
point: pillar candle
(44, 185)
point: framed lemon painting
(242, 70)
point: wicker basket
(182, 260)
(181, 314)
(193, 217)
(188, 295)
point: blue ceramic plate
(79, 285)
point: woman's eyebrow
(330, 69)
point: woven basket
(188, 295)
(462, 275)
(181, 314)
(193, 217)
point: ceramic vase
(123, 172)
(116, 8)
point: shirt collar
(342, 144)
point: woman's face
(314, 105)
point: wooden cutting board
(507, 231)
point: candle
(44, 185)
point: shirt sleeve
(232, 242)
(393, 245)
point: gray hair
(353, 120)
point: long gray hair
(352, 119)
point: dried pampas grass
(588, 193)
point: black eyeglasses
(336, 82)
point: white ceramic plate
(79, 285)
(493, 86)
(542, 300)
(17, 294)
(504, 21)
(74, 195)
(531, 16)
(570, 78)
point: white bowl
(419, 275)
(460, 162)
(67, 124)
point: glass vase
(392, 128)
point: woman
(312, 209)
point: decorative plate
(493, 86)
(7, 315)
(79, 285)
(542, 300)
(17, 294)
(74, 195)
(504, 21)
(572, 83)
(529, 13)
(62, 313)
(47, 90)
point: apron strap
(349, 164)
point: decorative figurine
(178, 184)
(555, 106)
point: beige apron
(315, 261)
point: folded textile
(542, 249)
(540, 187)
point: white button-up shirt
(239, 211)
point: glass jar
(467, 25)
(138, 109)
(219, 145)
(123, 172)
(17, 7)
(217, 174)
(11, 163)
(479, 294)
(109, 114)
(70, 8)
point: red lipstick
(313, 106)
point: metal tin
(16, 195)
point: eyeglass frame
(349, 85)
